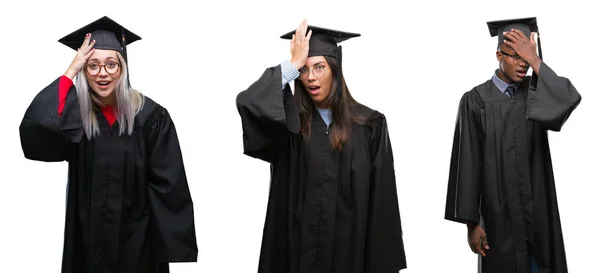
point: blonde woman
(129, 208)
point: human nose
(103, 72)
(311, 75)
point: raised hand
(299, 45)
(83, 53)
(524, 46)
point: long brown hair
(342, 105)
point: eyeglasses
(515, 57)
(110, 68)
(319, 71)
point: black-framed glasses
(319, 71)
(110, 68)
(515, 57)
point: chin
(317, 101)
(104, 93)
(518, 79)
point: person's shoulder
(370, 116)
(473, 96)
(151, 111)
(482, 86)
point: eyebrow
(107, 58)
(318, 63)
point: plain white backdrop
(413, 63)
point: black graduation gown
(328, 211)
(501, 170)
(129, 208)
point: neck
(503, 77)
(322, 105)
(110, 100)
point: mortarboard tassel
(534, 77)
(539, 46)
(124, 46)
(339, 72)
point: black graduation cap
(525, 25)
(324, 42)
(107, 33)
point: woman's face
(316, 77)
(103, 71)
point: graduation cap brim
(101, 30)
(337, 35)
(323, 41)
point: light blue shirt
(288, 74)
(326, 115)
(502, 85)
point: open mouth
(521, 73)
(314, 89)
(103, 84)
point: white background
(413, 62)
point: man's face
(512, 68)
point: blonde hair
(129, 102)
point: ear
(498, 55)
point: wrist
(70, 74)
(471, 225)
(536, 62)
(297, 64)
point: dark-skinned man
(501, 183)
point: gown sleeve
(268, 115)
(171, 207)
(551, 100)
(463, 196)
(384, 244)
(52, 125)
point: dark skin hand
(524, 47)
(477, 239)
